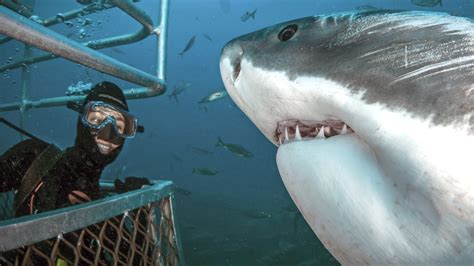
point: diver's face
(98, 116)
(105, 147)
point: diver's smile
(104, 146)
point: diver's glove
(131, 183)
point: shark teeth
(321, 134)
(297, 134)
(297, 130)
(344, 130)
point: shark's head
(373, 116)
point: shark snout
(233, 52)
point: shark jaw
(381, 194)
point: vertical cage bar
(25, 82)
(177, 236)
(162, 39)
(25, 87)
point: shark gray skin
(399, 187)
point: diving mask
(98, 116)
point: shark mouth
(291, 130)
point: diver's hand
(131, 183)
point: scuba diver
(46, 178)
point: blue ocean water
(221, 219)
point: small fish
(248, 15)
(207, 37)
(225, 6)
(117, 50)
(189, 227)
(182, 191)
(188, 45)
(178, 89)
(257, 214)
(293, 211)
(366, 8)
(176, 157)
(202, 151)
(204, 171)
(213, 96)
(234, 148)
(427, 3)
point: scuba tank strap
(40, 166)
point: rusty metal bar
(136, 13)
(31, 33)
(95, 44)
(134, 93)
(61, 17)
(140, 16)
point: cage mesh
(143, 236)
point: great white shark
(373, 116)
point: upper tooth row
(320, 133)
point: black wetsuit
(79, 169)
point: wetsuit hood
(110, 93)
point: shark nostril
(236, 73)
(236, 60)
(233, 52)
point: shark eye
(288, 32)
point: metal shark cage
(133, 228)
